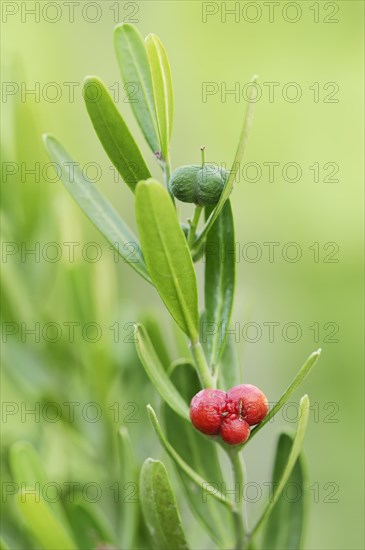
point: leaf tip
(152, 416)
(49, 141)
(123, 432)
(304, 402)
(119, 27)
(315, 356)
(151, 37)
(90, 78)
(123, 27)
(150, 460)
(46, 138)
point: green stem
(201, 364)
(167, 175)
(202, 148)
(239, 512)
(194, 224)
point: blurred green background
(320, 58)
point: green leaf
(181, 344)
(194, 448)
(219, 283)
(289, 514)
(247, 123)
(289, 465)
(159, 507)
(28, 471)
(96, 207)
(302, 374)
(229, 368)
(134, 66)
(167, 255)
(25, 465)
(113, 133)
(3, 545)
(202, 483)
(42, 523)
(158, 337)
(90, 526)
(128, 478)
(162, 90)
(157, 374)
(186, 362)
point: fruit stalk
(193, 225)
(239, 513)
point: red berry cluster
(229, 414)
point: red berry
(248, 402)
(234, 430)
(206, 410)
(229, 414)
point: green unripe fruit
(201, 185)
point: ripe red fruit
(206, 409)
(248, 402)
(234, 430)
(229, 414)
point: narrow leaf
(289, 514)
(194, 448)
(292, 458)
(204, 484)
(134, 66)
(184, 362)
(42, 523)
(159, 507)
(247, 123)
(157, 374)
(181, 343)
(229, 368)
(158, 337)
(89, 524)
(26, 466)
(128, 478)
(167, 255)
(302, 374)
(219, 283)
(113, 133)
(162, 90)
(96, 207)
(28, 471)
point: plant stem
(201, 364)
(167, 174)
(202, 148)
(194, 224)
(239, 512)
